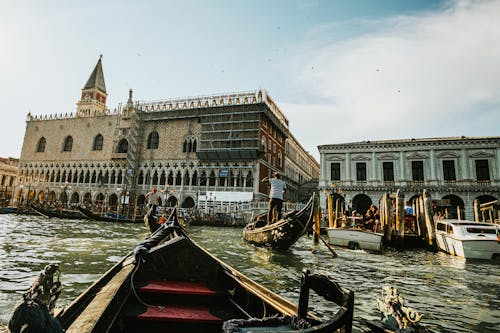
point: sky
(341, 71)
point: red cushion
(178, 287)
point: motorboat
(468, 239)
(355, 238)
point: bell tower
(93, 99)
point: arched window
(122, 146)
(194, 179)
(40, 148)
(189, 145)
(98, 142)
(68, 143)
(153, 140)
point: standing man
(278, 187)
(153, 199)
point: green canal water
(454, 295)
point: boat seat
(176, 313)
(177, 287)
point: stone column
(402, 173)
(465, 166)
(347, 166)
(432, 159)
(373, 173)
(324, 167)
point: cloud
(431, 75)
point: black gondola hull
(171, 284)
(282, 234)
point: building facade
(301, 170)
(454, 170)
(193, 149)
(8, 179)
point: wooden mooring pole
(429, 221)
(400, 222)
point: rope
(136, 268)
(135, 291)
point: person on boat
(163, 218)
(153, 198)
(344, 220)
(408, 208)
(278, 188)
(370, 217)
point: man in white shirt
(278, 187)
(153, 198)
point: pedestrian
(278, 188)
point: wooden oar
(335, 255)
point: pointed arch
(212, 179)
(170, 179)
(119, 177)
(40, 147)
(140, 178)
(249, 182)
(153, 140)
(194, 179)
(68, 143)
(122, 146)
(98, 142)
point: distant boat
(281, 235)
(468, 239)
(16, 210)
(355, 238)
(171, 284)
(105, 218)
(62, 214)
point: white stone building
(457, 170)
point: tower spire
(93, 99)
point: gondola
(17, 210)
(62, 214)
(171, 284)
(105, 218)
(281, 235)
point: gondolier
(153, 198)
(278, 188)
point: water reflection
(455, 295)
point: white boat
(468, 239)
(355, 238)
